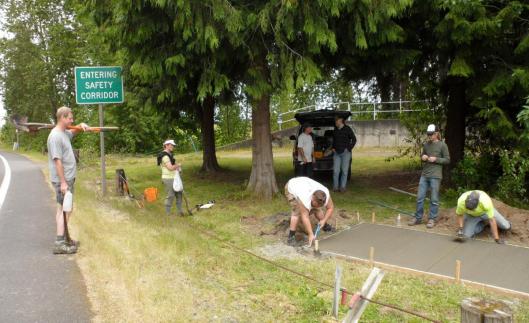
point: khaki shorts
(59, 197)
(294, 205)
(292, 200)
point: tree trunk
(262, 179)
(475, 310)
(455, 122)
(209, 156)
(384, 87)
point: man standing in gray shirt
(62, 165)
(434, 156)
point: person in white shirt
(307, 196)
(305, 149)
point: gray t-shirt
(60, 147)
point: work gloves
(461, 237)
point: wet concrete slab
(483, 262)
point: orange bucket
(318, 154)
(151, 194)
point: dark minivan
(322, 122)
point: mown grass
(142, 266)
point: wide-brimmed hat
(169, 141)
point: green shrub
(513, 184)
(476, 172)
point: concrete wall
(369, 133)
(379, 133)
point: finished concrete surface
(483, 262)
(35, 285)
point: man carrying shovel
(62, 165)
(306, 196)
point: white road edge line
(5, 183)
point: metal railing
(356, 108)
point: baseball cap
(472, 200)
(431, 129)
(307, 125)
(169, 141)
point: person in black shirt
(343, 142)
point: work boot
(72, 242)
(328, 228)
(430, 224)
(292, 241)
(414, 221)
(61, 247)
(342, 190)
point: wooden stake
(357, 217)
(372, 256)
(316, 245)
(458, 271)
(373, 217)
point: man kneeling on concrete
(475, 209)
(306, 196)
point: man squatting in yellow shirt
(474, 211)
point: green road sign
(98, 85)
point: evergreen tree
(181, 53)
(38, 57)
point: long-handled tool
(407, 193)
(66, 232)
(125, 182)
(391, 207)
(21, 123)
(189, 212)
(91, 129)
(316, 233)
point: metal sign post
(102, 147)
(99, 85)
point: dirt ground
(276, 226)
(518, 217)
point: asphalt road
(35, 285)
(484, 262)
